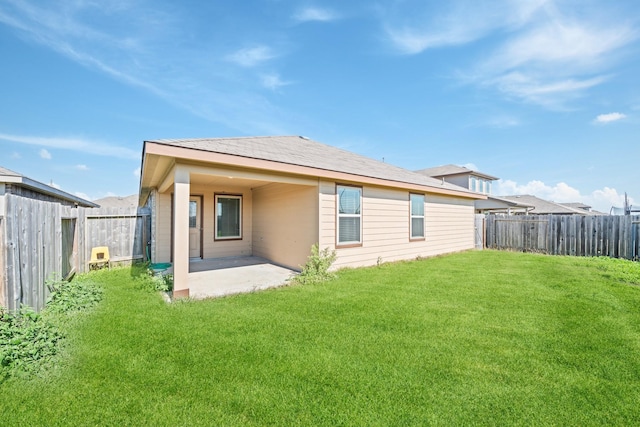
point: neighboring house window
(349, 215)
(417, 216)
(228, 217)
(473, 183)
(488, 187)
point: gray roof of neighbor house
(576, 205)
(8, 176)
(499, 204)
(543, 207)
(301, 151)
(446, 170)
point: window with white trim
(228, 217)
(349, 214)
(416, 225)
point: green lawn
(486, 338)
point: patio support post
(181, 191)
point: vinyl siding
(224, 248)
(211, 248)
(285, 219)
(163, 228)
(385, 226)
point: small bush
(72, 296)
(26, 337)
(29, 339)
(147, 280)
(316, 270)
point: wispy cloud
(137, 171)
(546, 54)
(75, 144)
(252, 56)
(609, 117)
(16, 155)
(309, 14)
(273, 81)
(83, 168)
(44, 154)
(153, 47)
(503, 122)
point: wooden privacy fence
(579, 235)
(42, 241)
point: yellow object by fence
(99, 257)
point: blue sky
(543, 94)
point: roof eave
(186, 153)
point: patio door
(195, 227)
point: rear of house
(274, 197)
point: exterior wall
(461, 180)
(210, 247)
(285, 219)
(449, 223)
(31, 194)
(162, 228)
(224, 248)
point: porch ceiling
(225, 180)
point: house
(275, 196)
(462, 176)
(545, 207)
(14, 183)
(37, 238)
(478, 182)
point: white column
(181, 191)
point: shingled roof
(448, 170)
(301, 151)
(543, 207)
(7, 176)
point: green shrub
(146, 279)
(26, 337)
(316, 270)
(29, 339)
(72, 296)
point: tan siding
(285, 219)
(224, 248)
(385, 226)
(163, 228)
(210, 248)
(327, 200)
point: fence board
(577, 235)
(42, 240)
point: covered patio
(210, 278)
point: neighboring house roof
(8, 176)
(577, 205)
(500, 204)
(448, 170)
(543, 207)
(118, 202)
(300, 151)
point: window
(193, 212)
(349, 215)
(473, 183)
(228, 217)
(417, 216)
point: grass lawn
(490, 338)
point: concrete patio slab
(226, 276)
